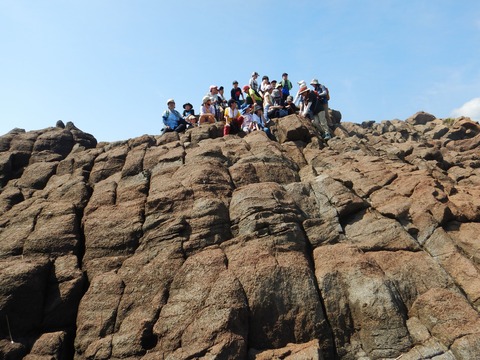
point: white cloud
(470, 108)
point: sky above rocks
(110, 66)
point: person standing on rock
(286, 86)
(311, 109)
(322, 92)
(172, 120)
(253, 84)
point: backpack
(327, 97)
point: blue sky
(110, 65)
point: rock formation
(198, 246)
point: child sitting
(189, 114)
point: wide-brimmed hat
(314, 82)
(205, 99)
(170, 101)
(303, 89)
(186, 104)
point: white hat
(205, 99)
(301, 83)
(170, 101)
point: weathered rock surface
(198, 246)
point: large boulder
(195, 245)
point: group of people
(252, 107)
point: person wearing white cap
(207, 111)
(311, 108)
(300, 83)
(216, 102)
(172, 120)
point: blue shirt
(171, 118)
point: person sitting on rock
(279, 89)
(217, 100)
(221, 97)
(233, 119)
(259, 119)
(275, 110)
(172, 120)
(189, 114)
(290, 106)
(236, 93)
(207, 111)
(248, 98)
(264, 84)
(248, 124)
(311, 109)
(256, 97)
(267, 101)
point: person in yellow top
(256, 97)
(233, 118)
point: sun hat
(279, 85)
(213, 87)
(205, 99)
(302, 90)
(314, 82)
(301, 83)
(186, 104)
(170, 101)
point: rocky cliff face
(206, 247)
